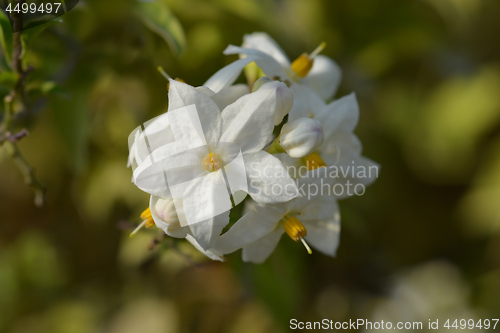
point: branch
(19, 91)
(29, 174)
(17, 63)
(14, 138)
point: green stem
(275, 147)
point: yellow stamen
(146, 214)
(303, 64)
(296, 230)
(147, 222)
(317, 51)
(306, 246)
(166, 76)
(212, 162)
(314, 161)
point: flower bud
(301, 137)
(165, 211)
(284, 98)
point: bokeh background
(422, 243)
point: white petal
(181, 95)
(324, 234)
(152, 175)
(324, 77)
(355, 172)
(340, 115)
(295, 166)
(251, 227)
(263, 42)
(319, 207)
(306, 102)
(212, 254)
(207, 91)
(207, 232)
(171, 229)
(268, 179)
(249, 122)
(230, 94)
(186, 126)
(301, 137)
(284, 103)
(228, 74)
(310, 189)
(258, 251)
(157, 132)
(203, 197)
(268, 64)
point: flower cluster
(222, 141)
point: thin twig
(29, 174)
(17, 63)
(14, 137)
(19, 92)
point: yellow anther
(146, 214)
(303, 64)
(296, 230)
(212, 162)
(314, 161)
(147, 221)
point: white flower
(301, 137)
(219, 88)
(311, 218)
(341, 149)
(230, 141)
(309, 76)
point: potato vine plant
(18, 107)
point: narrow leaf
(156, 15)
(6, 36)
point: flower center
(296, 230)
(314, 161)
(303, 64)
(212, 162)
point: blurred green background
(422, 243)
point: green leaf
(6, 36)
(35, 27)
(8, 79)
(156, 15)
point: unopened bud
(165, 211)
(301, 137)
(284, 98)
